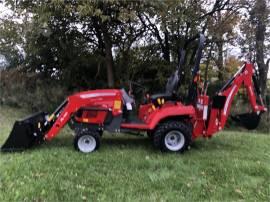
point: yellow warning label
(159, 101)
(117, 104)
(162, 101)
(85, 120)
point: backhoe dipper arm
(244, 76)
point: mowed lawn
(229, 167)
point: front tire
(172, 136)
(87, 142)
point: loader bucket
(248, 120)
(26, 133)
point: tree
(260, 19)
(106, 39)
(256, 36)
(63, 31)
(111, 23)
(11, 35)
(221, 30)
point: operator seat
(170, 89)
(128, 101)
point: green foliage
(64, 38)
(231, 166)
(77, 45)
(11, 40)
(255, 38)
(41, 94)
(145, 67)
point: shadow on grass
(106, 141)
(136, 142)
(116, 141)
(212, 145)
(133, 142)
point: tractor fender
(170, 112)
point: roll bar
(198, 55)
(192, 92)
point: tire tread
(81, 133)
(163, 128)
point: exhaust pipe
(26, 133)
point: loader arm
(73, 103)
(58, 119)
(221, 104)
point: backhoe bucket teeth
(248, 120)
(26, 133)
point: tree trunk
(261, 15)
(220, 43)
(104, 42)
(220, 60)
(166, 47)
(108, 58)
(109, 64)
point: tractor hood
(98, 93)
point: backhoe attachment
(248, 120)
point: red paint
(94, 98)
(152, 117)
(205, 121)
(218, 118)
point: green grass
(231, 166)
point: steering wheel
(137, 90)
(139, 87)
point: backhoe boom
(222, 103)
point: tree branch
(155, 30)
(218, 6)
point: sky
(232, 50)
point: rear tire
(87, 141)
(172, 136)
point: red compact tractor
(171, 124)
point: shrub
(30, 91)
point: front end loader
(26, 133)
(171, 123)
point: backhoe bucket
(248, 120)
(26, 133)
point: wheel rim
(87, 143)
(174, 140)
